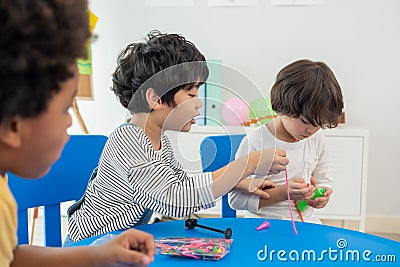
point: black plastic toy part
(192, 223)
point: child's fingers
(132, 257)
(261, 184)
(267, 184)
(304, 192)
(299, 181)
(279, 161)
(318, 203)
(280, 152)
(313, 181)
(139, 241)
(262, 194)
(328, 191)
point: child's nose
(198, 103)
(310, 129)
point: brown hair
(157, 63)
(309, 89)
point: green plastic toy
(302, 204)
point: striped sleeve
(132, 178)
(157, 179)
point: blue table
(315, 245)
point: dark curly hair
(39, 41)
(309, 89)
(165, 62)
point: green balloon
(261, 111)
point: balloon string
(290, 203)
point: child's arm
(166, 188)
(322, 178)
(238, 199)
(260, 163)
(129, 248)
(242, 199)
(298, 190)
(255, 186)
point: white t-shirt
(307, 154)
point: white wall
(358, 39)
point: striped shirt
(131, 178)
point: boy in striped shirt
(157, 81)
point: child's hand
(256, 186)
(270, 161)
(132, 247)
(298, 189)
(321, 202)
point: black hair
(39, 42)
(309, 89)
(162, 62)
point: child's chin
(186, 129)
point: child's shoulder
(127, 127)
(129, 131)
(166, 143)
(318, 136)
(317, 139)
(257, 132)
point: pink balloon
(234, 111)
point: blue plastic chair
(216, 152)
(67, 180)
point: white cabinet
(348, 156)
(187, 145)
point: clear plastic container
(195, 248)
(102, 239)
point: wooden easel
(79, 116)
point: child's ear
(153, 99)
(10, 134)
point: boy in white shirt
(306, 96)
